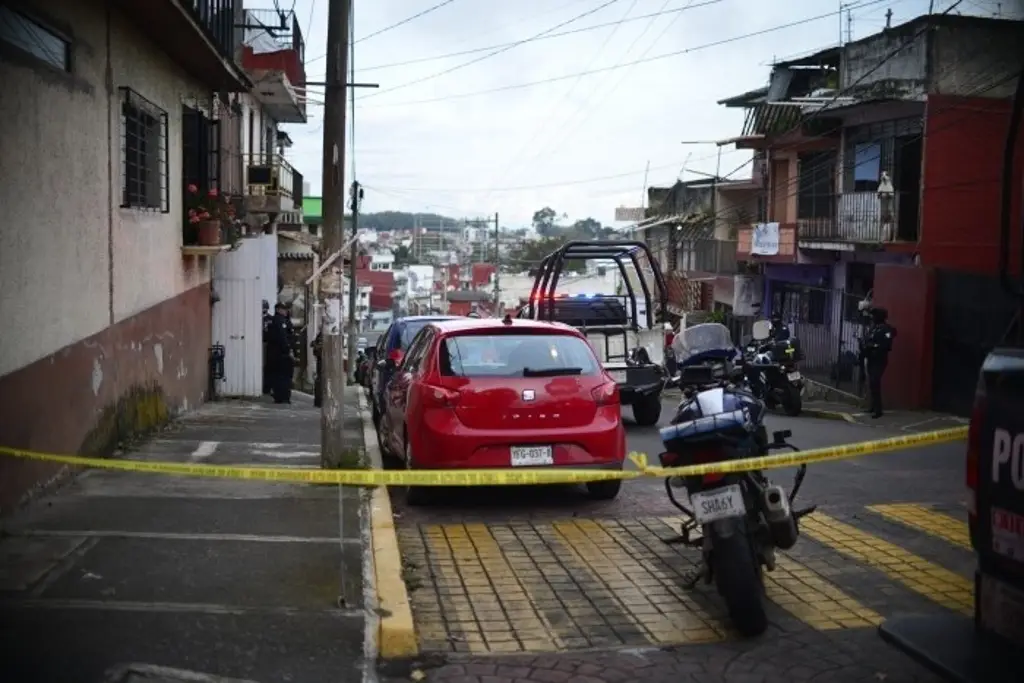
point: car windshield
(702, 339)
(516, 355)
(410, 330)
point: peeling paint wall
(60, 283)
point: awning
(657, 221)
(704, 230)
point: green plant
(211, 206)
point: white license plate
(793, 376)
(618, 375)
(1001, 609)
(532, 456)
(723, 503)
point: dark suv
(390, 348)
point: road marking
(285, 455)
(169, 536)
(935, 583)
(204, 450)
(171, 607)
(818, 603)
(637, 593)
(930, 521)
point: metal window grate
(144, 163)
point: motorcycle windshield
(705, 341)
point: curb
(830, 415)
(396, 633)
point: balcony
(272, 186)
(853, 218)
(273, 55)
(786, 251)
(197, 35)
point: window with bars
(144, 163)
(201, 151)
(35, 39)
(816, 193)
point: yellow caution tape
(493, 477)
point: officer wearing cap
(280, 357)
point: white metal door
(240, 284)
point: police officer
(318, 382)
(875, 351)
(267, 318)
(280, 358)
(780, 330)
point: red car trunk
(526, 403)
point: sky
(581, 144)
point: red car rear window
(516, 355)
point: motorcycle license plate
(723, 503)
(793, 376)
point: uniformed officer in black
(875, 351)
(267, 318)
(280, 358)
(318, 381)
(780, 330)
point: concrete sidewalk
(241, 579)
(895, 420)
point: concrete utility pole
(357, 198)
(332, 442)
(497, 264)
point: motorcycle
(742, 517)
(772, 371)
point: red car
(478, 393)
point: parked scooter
(742, 517)
(771, 369)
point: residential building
(108, 304)
(884, 156)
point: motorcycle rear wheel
(738, 578)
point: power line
(403, 22)
(559, 34)
(646, 60)
(565, 96)
(499, 51)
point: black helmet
(879, 315)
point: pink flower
(213, 192)
(193, 189)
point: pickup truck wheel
(647, 410)
(604, 490)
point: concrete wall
(108, 323)
(60, 158)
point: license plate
(793, 376)
(723, 503)
(532, 456)
(1001, 610)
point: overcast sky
(577, 144)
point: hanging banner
(764, 239)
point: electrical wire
(559, 34)
(403, 22)
(565, 96)
(655, 58)
(499, 51)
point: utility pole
(332, 441)
(497, 265)
(888, 18)
(849, 26)
(357, 199)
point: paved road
(523, 572)
(230, 578)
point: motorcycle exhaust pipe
(781, 523)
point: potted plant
(208, 214)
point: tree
(587, 228)
(403, 256)
(531, 252)
(544, 221)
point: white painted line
(172, 536)
(173, 607)
(204, 450)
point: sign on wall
(764, 239)
(746, 295)
(628, 214)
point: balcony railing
(715, 256)
(217, 17)
(863, 218)
(277, 27)
(269, 175)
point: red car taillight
(439, 397)
(606, 394)
(694, 457)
